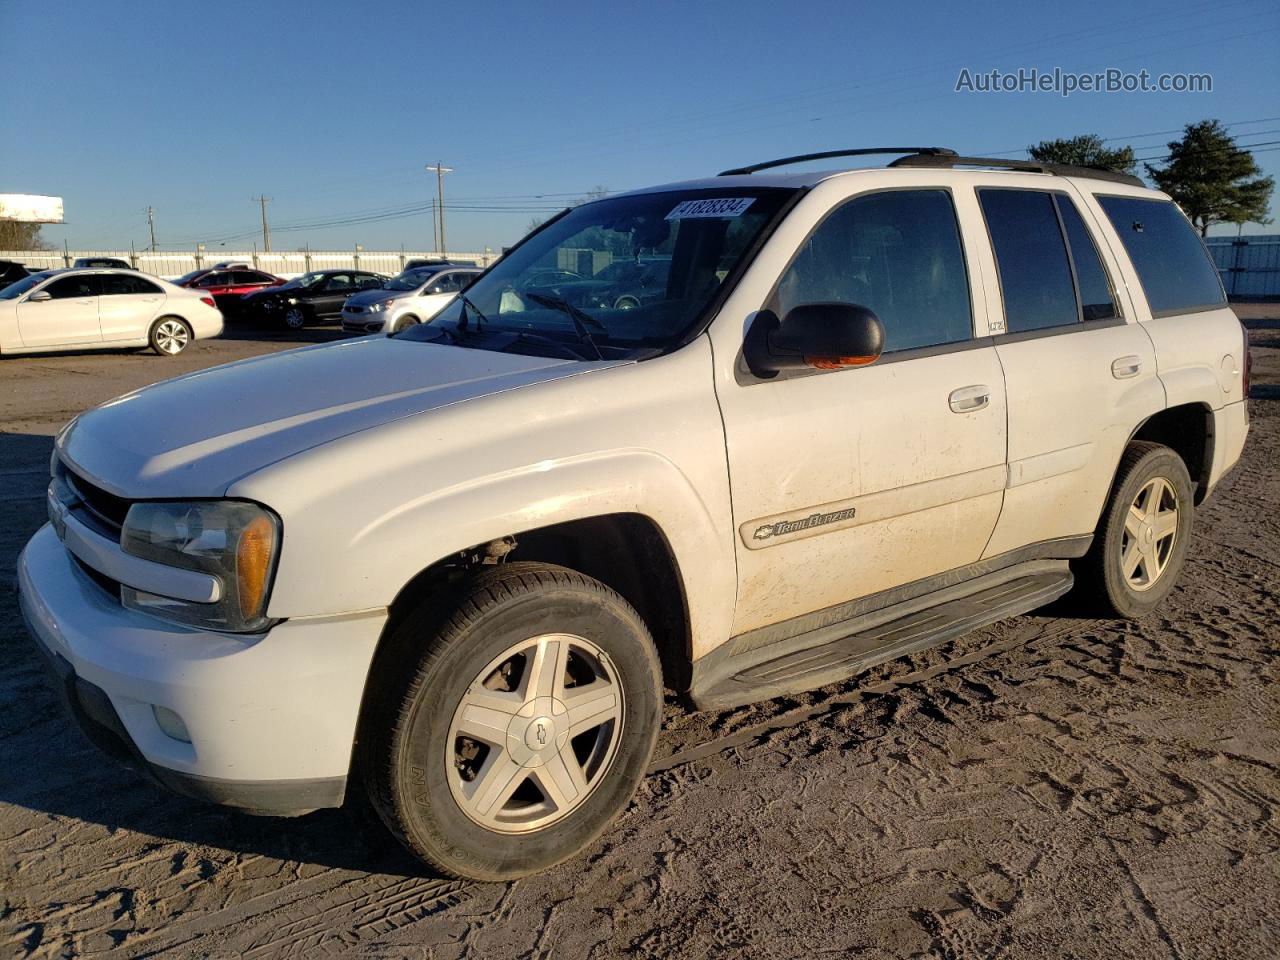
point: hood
(198, 434)
(366, 297)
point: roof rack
(950, 159)
(939, 152)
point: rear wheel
(1142, 539)
(169, 336)
(514, 725)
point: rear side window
(1097, 301)
(1176, 273)
(1035, 274)
(115, 284)
(897, 253)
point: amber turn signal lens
(253, 564)
(838, 363)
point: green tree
(21, 236)
(1086, 150)
(1212, 179)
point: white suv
(871, 409)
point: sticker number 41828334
(715, 208)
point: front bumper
(363, 324)
(271, 719)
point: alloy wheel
(534, 733)
(172, 337)
(1150, 531)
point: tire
(169, 336)
(502, 808)
(405, 323)
(295, 318)
(1133, 562)
(626, 302)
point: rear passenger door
(1079, 373)
(128, 305)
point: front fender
(363, 515)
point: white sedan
(103, 309)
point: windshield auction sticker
(719, 208)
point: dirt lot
(1047, 787)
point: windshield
(409, 280)
(15, 290)
(306, 280)
(635, 272)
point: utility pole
(262, 201)
(440, 170)
(435, 228)
(151, 222)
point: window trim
(770, 299)
(1181, 311)
(1054, 198)
(1097, 252)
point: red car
(228, 286)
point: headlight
(235, 541)
(379, 306)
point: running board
(833, 653)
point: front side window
(1031, 256)
(1175, 270)
(68, 288)
(598, 310)
(897, 253)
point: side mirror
(40, 296)
(813, 336)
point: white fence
(175, 264)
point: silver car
(413, 297)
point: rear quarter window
(1173, 266)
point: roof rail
(940, 152)
(1031, 166)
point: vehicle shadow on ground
(250, 331)
(50, 767)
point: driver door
(849, 482)
(330, 298)
(69, 318)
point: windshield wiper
(580, 318)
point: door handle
(150, 299)
(1123, 368)
(969, 399)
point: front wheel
(1142, 539)
(295, 318)
(169, 336)
(515, 724)
(404, 323)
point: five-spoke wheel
(1142, 538)
(515, 720)
(534, 733)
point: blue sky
(333, 108)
